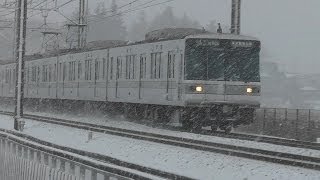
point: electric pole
(235, 16)
(20, 41)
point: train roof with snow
(166, 34)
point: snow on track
(192, 163)
(122, 123)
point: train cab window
(155, 65)
(171, 65)
(87, 70)
(130, 64)
(143, 66)
(111, 68)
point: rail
(239, 151)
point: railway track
(247, 137)
(240, 136)
(239, 151)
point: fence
(300, 124)
(20, 160)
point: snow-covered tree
(166, 19)
(106, 25)
(138, 28)
(187, 22)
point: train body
(207, 79)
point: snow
(192, 163)
(122, 123)
(308, 88)
(87, 158)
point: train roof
(151, 37)
(222, 36)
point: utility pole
(21, 26)
(77, 31)
(235, 16)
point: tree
(138, 28)
(107, 25)
(186, 22)
(166, 19)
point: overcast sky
(289, 29)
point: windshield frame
(225, 48)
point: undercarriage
(193, 118)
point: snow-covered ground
(120, 122)
(192, 163)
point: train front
(222, 78)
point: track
(252, 153)
(248, 137)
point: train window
(130, 63)
(143, 66)
(38, 73)
(103, 68)
(7, 76)
(171, 65)
(79, 70)
(55, 72)
(87, 70)
(111, 68)
(155, 65)
(72, 71)
(97, 69)
(50, 73)
(33, 73)
(64, 74)
(45, 73)
(60, 72)
(13, 75)
(119, 67)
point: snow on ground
(192, 163)
(120, 122)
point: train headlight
(199, 88)
(249, 90)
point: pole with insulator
(21, 26)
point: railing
(24, 160)
(300, 124)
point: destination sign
(204, 42)
(242, 44)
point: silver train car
(199, 79)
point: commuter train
(195, 77)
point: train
(190, 76)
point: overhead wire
(130, 10)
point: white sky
(289, 29)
